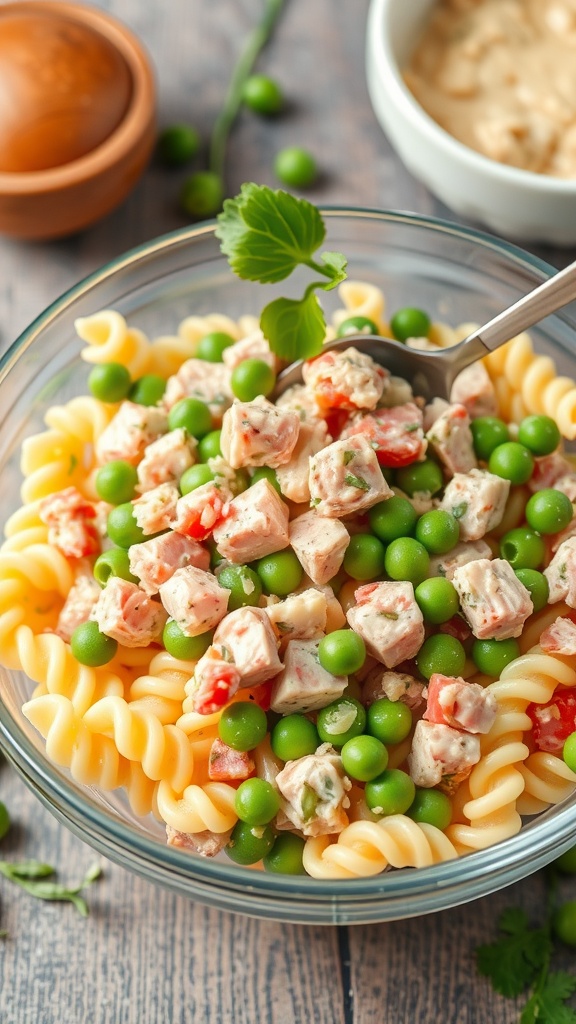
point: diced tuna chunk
(155, 510)
(335, 617)
(477, 500)
(253, 346)
(303, 685)
(206, 843)
(319, 544)
(194, 599)
(453, 701)
(395, 434)
(301, 399)
(345, 477)
(130, 432)
(199, 512)
(567, 484)
(451, 439)
(226, 764)
(389, 621)
(441, 756)
(561, 574)
(548, 469)
(258, 434)
(246, 638)
(300, 616)
(255, 524)
(209, 382)
(293, 475)
(78, 605)
(394, 686)
(493, 600)
(461, 554)
(559, 637)
(432, 411)
(156, 560)
(474, 389)
(314, 789)
(71, 522)
(214, 683)
(125, 613)
(345, 380)
(166, 459)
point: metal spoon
(433, 373)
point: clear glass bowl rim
(394, 894)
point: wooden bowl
(77, 116)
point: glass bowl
(458, 275)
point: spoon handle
(548, 297)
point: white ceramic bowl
(513, 202)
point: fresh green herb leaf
(547, 1005)
(35, 878)
(356, 481)
(513, 961)
(266, 234)
(459, 510)
(348, 456)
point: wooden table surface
(145, 956)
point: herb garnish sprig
(266, 234)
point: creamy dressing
(500, 76)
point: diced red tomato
(554, 722)
(225, 763)
(395, 434)
(456, 627)
(218, 683)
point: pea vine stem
(252, 48)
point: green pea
(251, 378)
(340, 721)
(122, 528)
(249, 843)
(432, 807)
(294, 736)
(569, 752)
(523, 548)
(285, 857)
(564, 922)
(487, 433)
(4, 820)
(441, 653)
(209, 446)
(177, 144)
(393, 518)
(420, 478)
(202, 195)
(540, 434)
(114, 562)
(364, 757)
(438, 531)
(437, 599)
(244, 585)
(512, 461)
(266, 473)
(410, 323)
(182, 647)
(116, 482)
(390, 721)
(537, 584)
(549, 511)
(91, 647)
(148, 390)
(243, 725)
(191, 414)
(280, 572)
(391, 792)
(492, 656)
(357, 325)
(262, 95)
(109, 382)
(364, 557)
(407, 559)
(342, 652)
(212, 346)
(295, 167)
(256, 802)
(195, 476)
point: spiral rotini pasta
(110, 340)
(199, 807)
(162, 691)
